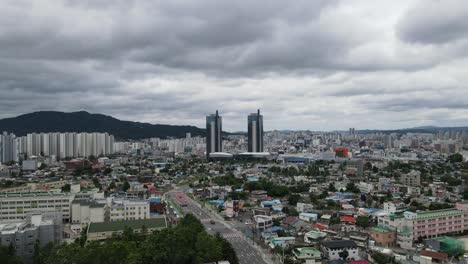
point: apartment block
(44, 227)
(15, 206)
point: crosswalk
(232, 235)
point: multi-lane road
(247, 253)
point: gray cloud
(308, 64)
(435, 22)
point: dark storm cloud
(175, 61)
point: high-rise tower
(213, 134)
(255, 132)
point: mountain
(51, 121)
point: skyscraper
(255, 132)
(213, 134)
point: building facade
(214, 134)
(44, 227)
(15, 206)
(255, 132)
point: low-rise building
(383, 236)
(394, 207)
(129, 210)
(308, 255)
(411, 179)
(332, 249)
(263, 222)
(84, 212)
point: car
(248, 223)
(212, 222)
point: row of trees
(188, 242)
(271, 188)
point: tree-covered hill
(51, 121)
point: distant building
(29, 165)
(411, 179)
(341, 152)
(255, 132)
(214, 142)
(8, 148)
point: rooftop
(336, 244)
(381, 229)
(159, 222)
(438, 213)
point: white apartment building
(394, 207)
(15, 206)
(8, 148)
(64, 145)
(129, 210)
(411, 179)
(84, 212)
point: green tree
(363, 221)
(125, 186)
(7, 255)
(66, 187)
(293, 199)
(457, 157)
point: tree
(125, 186)
(331, 187)
(457, 157)
(293, 199)
(7, 255)
(363, 221)
(351, 187)
(380, 258)
(344, 254)
(37, 253)
(66, 187)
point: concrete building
(214, 132)
(383, 236)
(411, 226)
(411, 179)
(255, 132)
(263, 222)
(29, 165)
(332, 249)
(44, 227)
(394, 207)
(63, 145)
(129, 210)
(8, 148)
(84, 212)
(15, 206)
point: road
(246, 252)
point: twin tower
(214, 141)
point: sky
(307, 64)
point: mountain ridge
(83, 121)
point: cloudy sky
(319, 65)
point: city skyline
(297, 62)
